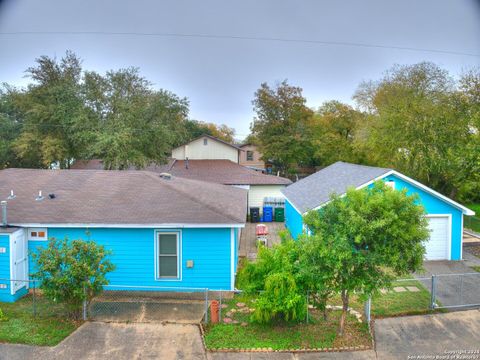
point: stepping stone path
(399, 289)
(224, 306)
(227, 320)
(413, 288)
(240, 304)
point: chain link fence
(121, 303)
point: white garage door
(437, 245)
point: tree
(10, 126)
(418, 125)
(362, 241)
(334, 130)
(136, 124)
(71, 272)
(53, 112)
(197, 128)
(281, 125)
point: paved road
(396, 338)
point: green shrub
(281, 300)
(71, 272)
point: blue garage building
(445, 215)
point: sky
(220, 70)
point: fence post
(206, 306)
(220, 308)
(461, 289)
(84, 312)
(433, 292)
(34, 301)
(368, 311)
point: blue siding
(293, 220)
(134, 255)
(432, 205)
(5, 268)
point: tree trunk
(341, 327)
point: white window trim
(178, 233)
(37, 238)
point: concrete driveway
(396, 338)
(96, 340)
(452, 289)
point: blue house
(445, 215)
(164, 232)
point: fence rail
(157, 303)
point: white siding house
(207, 148)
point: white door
(19, 260)
(437, 247)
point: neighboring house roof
(213, 138)
(219, 171)
(316, 189)
(108, 197)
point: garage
(437, 247)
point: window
(205, 141)
(390, 183)
(249, 155)
(38, 234)
(167, 255)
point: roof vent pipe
(12, 195)
(40, 196)
(4, 213)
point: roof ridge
(186, 194)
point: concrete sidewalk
(396, 338)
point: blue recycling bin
(267, 214)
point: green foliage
(3, 317)
(197, 128)
(72, 271)
(281, 125)
(273, 277)
(335, 130)
(281, 300)
(362, 241)
(424, 124)
(67, 113)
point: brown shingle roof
(117, 197)
(219, 171)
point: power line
(235, 37)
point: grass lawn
(473, 222)
(49, 327)
(393, 303)
(317, 334)
(476, 268)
